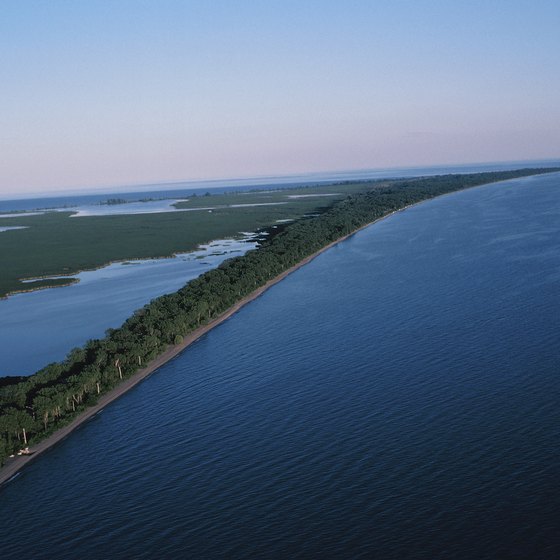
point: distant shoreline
(246, 184)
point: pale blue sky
(120, 92)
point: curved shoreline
(14, 465)
(72, 280)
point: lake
(395, 398)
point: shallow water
(41, 327)
(11, 228)
(20, 214)
(150, 207)
(395, 398)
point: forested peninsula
(33, 408)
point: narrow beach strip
(15, 464)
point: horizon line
(191, 183)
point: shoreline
(15, 465)
(72, 280)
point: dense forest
(33, 407)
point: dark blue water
(188, 188)
(396, 398)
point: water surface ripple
(396, 398)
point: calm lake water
(37, 328)
(396, 398)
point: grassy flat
(57, 244)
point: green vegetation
(33, 407)
(113, 201)
(56, 244)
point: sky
(104, 93)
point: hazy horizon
(258, 180)
(104, 94)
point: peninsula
(40, 410)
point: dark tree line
(33, 407)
